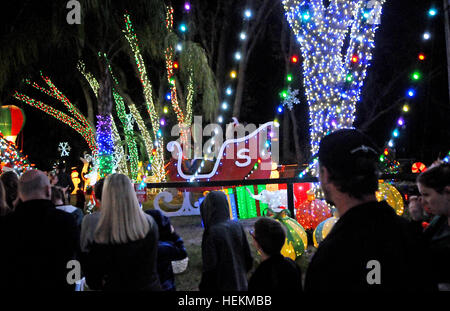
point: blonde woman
(123, 253)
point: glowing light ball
(296, 238)
(12, 120)
(311, 213)
(322, 230)
(418, 167)
(392, 196)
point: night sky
(398, 42)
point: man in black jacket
(41, 239)
(370, 247)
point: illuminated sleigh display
(247, 157)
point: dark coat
(170, 248)
(123, 267)
(275, 274)
(225, 250)
(438, 238)
(370, 231)
(41, 241)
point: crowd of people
(122, 247)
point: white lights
(224, 105)
(426, 35)
(242, 36)
(333, 81)
(248, 13)
(237, 56)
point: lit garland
(129, 134)
(169, 55)
(233, 76)
(333, 85)
(158, 162)
(11, 157)
(410, 93)
(57, 94)
(87, 134)
(105, 145)
(128, 130)
(183, 121)
(120, 164)
(119, 153)
(89, 77)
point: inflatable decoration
(312, 211)
(322, 230)
(391, 195)
(12, 120)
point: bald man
(41, 239)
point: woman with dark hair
(434, 185)
(10, 182)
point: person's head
(10, 182)
(4, 208)
(415, 207)
(57, 196)
(434, 185)
(98, 189)
(214, 209)
(121, 218)
(348, 164)
(34, 185)
(269, 236)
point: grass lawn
(191, 231)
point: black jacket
(41, 241)
(370, 231)
(225, 250)
(123, 267)
(170, 248)
(277, 273)
(438, 238)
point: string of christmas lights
(127, 128)
(390, 164)
(13, 159)
(169, 57)
(333, 84)
(120, 164)
(87, 134)
(158, 159)
(105, 145)
(233, 75)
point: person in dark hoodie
(170, 248)
(225, 250)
